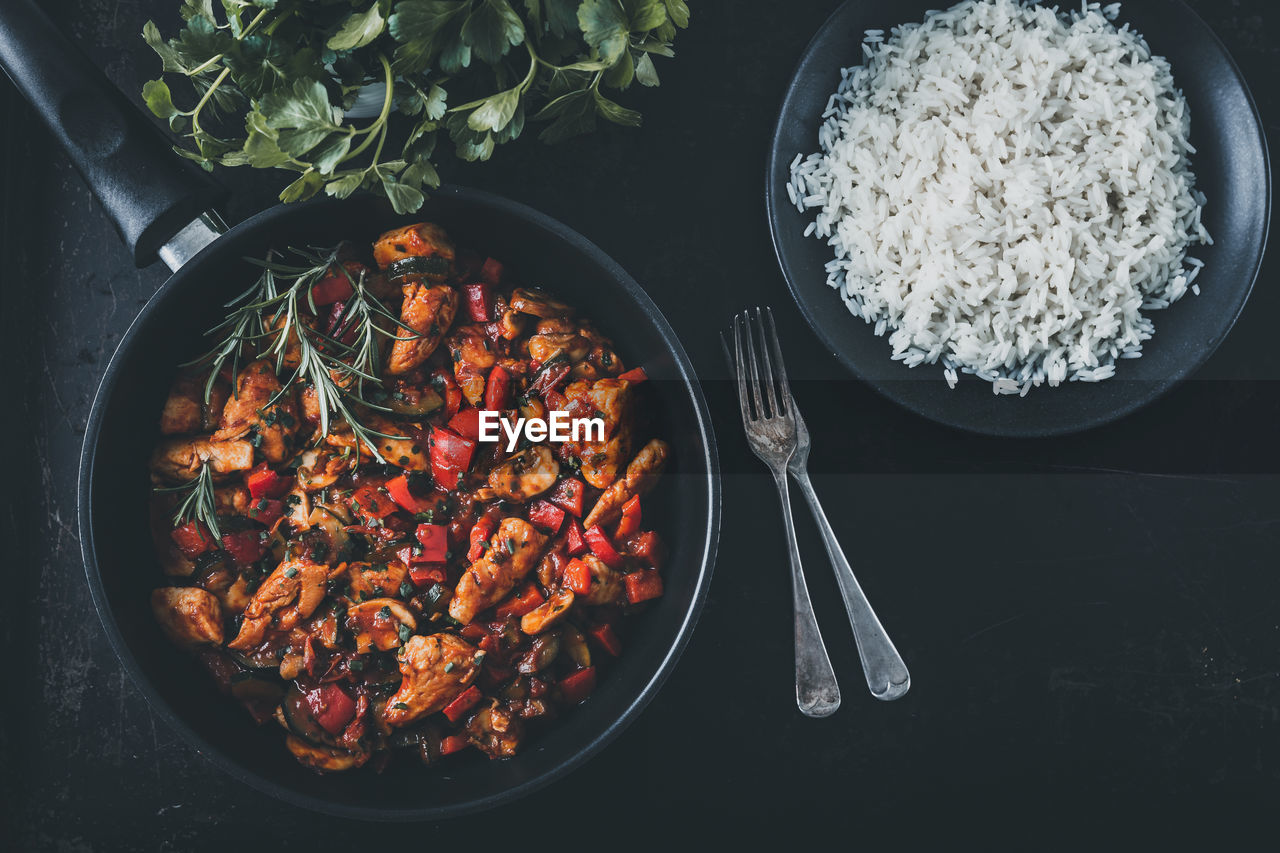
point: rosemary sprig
(198, 503)
(273, 314)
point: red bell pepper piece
(491, 271)
(643, 585)
(577, 577)
(369, 501)
(473, 631)
(630, 521)
(550, 377)
(192, 539)
(497, 389)
(335, 286)
(245, 547)
(577, 686)
(521, 603)
(435, 543)
(466, 700)
(635, 375)
(398, 490)
(331, 707)
(576, 539)
(479, 299)
(480, 534)
(555, 401)
(452, 393)
(453, 743)
(602, 546)
(607, 638)
(427, 575)
(546, 516)
(450, 457)
(340, 326)
(266, 511)
(647, 548)
(265, 483)
(466, 424)
(568, 495)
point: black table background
(1092, 623)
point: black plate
(122, 570)
(1231, 167)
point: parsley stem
(204, 99)
(381, 121)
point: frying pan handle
(147, 191)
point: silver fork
(772, 435)
(887, 675)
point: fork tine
(770, 388)
(756, 391)
(743, 398)
(784, 384)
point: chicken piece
(292, 346)
(434, 670)
(408, 450)
(607, 585)
(548, 614)
(428, 310)
(378, 623)
(525, 475)
(513, 552)
(178, 460)
(420, 240)
(229, 587)
(289, 594)
(614, 401)
(231, 500)
(324, 759)
(495, 730)
(250, 412)
(185, 410)
(310, 404)
(188, 615)
(643, 473)
(472, 357)
(539, 303)
(376, 580)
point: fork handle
(817, 693)
(887, 675)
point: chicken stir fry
(368, 573)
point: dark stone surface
(1092, 623)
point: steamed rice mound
(1007, 189)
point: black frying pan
(151, 197)
(1231, 166)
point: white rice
(1006, 189)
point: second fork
(771, 433)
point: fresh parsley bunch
(273, 79)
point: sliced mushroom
(539, 303)
(541, 654)
(548, 614)
(380, 623)
(525, 475)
